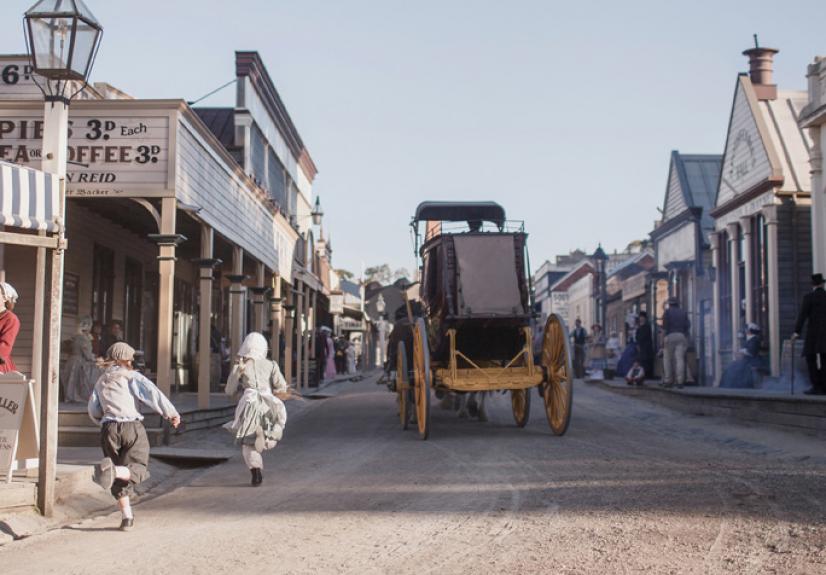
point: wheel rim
(421, 377)
(401, 385)
(556, 359)
(521, 405)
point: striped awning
(28, 198)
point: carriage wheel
(521, 404)
(421, 377)
(402, 385)
(559, 386)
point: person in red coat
(9, 326)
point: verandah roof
(28, 198)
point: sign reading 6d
(11, 73)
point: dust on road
(632, 487)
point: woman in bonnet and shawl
(260, 416)
(9, 326)
(80, 372)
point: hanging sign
(336, 303)
(18, 424)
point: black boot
(257, 476)
(254, 476)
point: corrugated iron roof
(699, 178)
(791, 142)
(221, 122)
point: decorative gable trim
(742, 153)
(676, 193)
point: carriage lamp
(317, 212)
(62, 37)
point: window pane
(51, 42)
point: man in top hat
(813, 314)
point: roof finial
(756, 43)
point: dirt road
(631, 488)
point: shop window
(724, 279)
(103, 284)
(149, 309)
(741, 274)
(276, 183)
(132, 302)
(759, 283)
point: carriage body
(476, 298)
(477, 333)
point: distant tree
(380, 273)
(344, 274)
(401, 273)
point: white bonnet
(254, 346)
(121, 351)
(8, 292)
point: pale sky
(564, 112)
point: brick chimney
(760, 71)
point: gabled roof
(765, 147)
(582, 269)
(641, 261)
(350, 287)
(692, 183)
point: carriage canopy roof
(460, 212)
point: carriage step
(489, 378)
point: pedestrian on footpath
(9, 326)
(645, 344)
(579, 336)
(114, 404)
(813, 315)
(635, 375)
(676, 326)
(260, 416)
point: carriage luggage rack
(434, 229)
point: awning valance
(28, 198)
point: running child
(115, 405)
(260, 416)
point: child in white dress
(260, 416)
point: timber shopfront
(761, 243)
(166, 232)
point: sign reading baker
(109, 155)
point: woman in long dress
(260, 416)
(330, 366)
(744, 373)
(9, 327)
(80, 373)
(351, 358)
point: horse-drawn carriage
(478, 331)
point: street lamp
(317, 212)
(62, 39)
(600, 258)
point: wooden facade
(683, 256)
(168, 232)
(761, 242)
